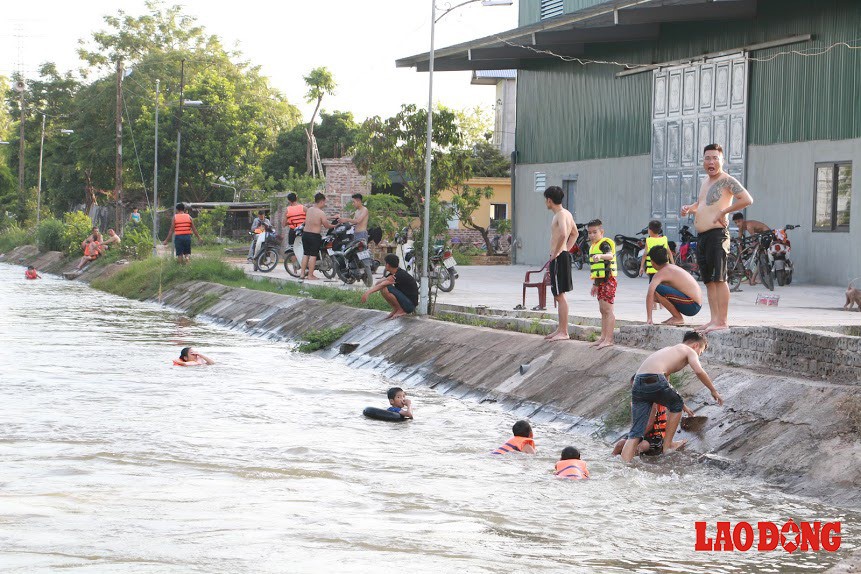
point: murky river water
(112, 460)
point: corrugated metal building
(776, 82)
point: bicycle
(748, 257)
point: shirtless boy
(312, 239)
(651, 386)
(715, 202)
(563, 235)
(749, 226)
(360, 220)
(672, 287)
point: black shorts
(182, 244)
(291, 237)
(560, 274)
(712, 251)
(311, 243)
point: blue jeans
(407, 305)
(649, 389)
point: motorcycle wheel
(765, 273)
(291, 264)
(788, 273)
(780, 277)
(444, 279)
(266, 261)
(691, 265)
(340, 269)
(577, 261)
(326, 265)
(368, 279)
(630, 265)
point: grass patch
(142, 280)
(619, 416)
(322, 338)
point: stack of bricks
(342, 181)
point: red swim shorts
(607, 290)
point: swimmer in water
(31, 273)
(400, 403)
(570, 465)
(522, 440)
(191, 357)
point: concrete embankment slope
(797, 433)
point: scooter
(294, 253)
(441, 261)
(266, 246)
(686, 254)
(778, 253)
(631, 250)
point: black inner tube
(382, 415)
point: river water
(115, 461)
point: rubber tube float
(382, 415)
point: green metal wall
(531, 9)
(568, 112)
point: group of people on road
(670, 286)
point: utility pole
(39, 189)
(118, 178)
(155, 179)
(178, 134)
(21, 196)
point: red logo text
(767, 536)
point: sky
(357, 40)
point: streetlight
(39, 185)
(184, 104)
(235, 195)
(424, 289)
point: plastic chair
(541, 286)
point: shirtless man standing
(563, 235)
(360, 220)
(651, 386)
(672, 287)
(715, 202)
(312, 240)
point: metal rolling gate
(694, 105)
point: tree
(320, 82)
(476, 125)
(488, 161)
(336, 131)
(465, 202)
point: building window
(551, 8)
(540, 182)
(498, 212)
(832, 196)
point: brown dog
(853, 297)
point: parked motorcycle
(294, 253)
(352, 258)
(441, 262)
(778, 252)
(631, 250)
(686, 253)
(266, 246)
(580, 250)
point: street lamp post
(39, 184)
(424, 288)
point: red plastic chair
(541, 286)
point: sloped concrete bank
(802, 435)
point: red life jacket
(295, 216)
(515, 443)
(91, 249)
(31, 274)
(573, 468)
(182, 224)
(659, 428)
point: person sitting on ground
(188, 357)
(261, 224)
(522, 440)
(656, 427)
(92, 250)
(570, 465)
(672, 287)
(31, 273)
(97, 235)
(400, 403)
(113, 239)
(651, 385)
(397, 287)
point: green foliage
(387, 212)
(488, 161)
(210, 223)
(13, 236)
(50, 235)
(76, 227)
(335, 133)
(137, 242)
(304, 186)
(321, 338)
(476, 125)
(503, 226)
(8, 196)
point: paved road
(500, 287)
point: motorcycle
(631, 250)
(266, 246)
(778, 253)
(441, 262)
(293, 255)
(686, 254)
(580, 250)
(352, 258)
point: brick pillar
(342, 181)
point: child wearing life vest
(400, 403)
(31, 273)
(522, 440)
(602, 261)
(570, 465)
(656, 427)
(656, 237)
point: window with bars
(551, 8)
(498, 211)
(540, 182)
(832, 196)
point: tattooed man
(720, 195)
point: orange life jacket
(515, 443)
(573, 468)
(182, 224)
(295, 216)
(91, 249)
(31, 274)
(659, 428)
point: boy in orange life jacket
(31, 273)
(400, 403)
(570, 465)
(656, 427)
(520, 442)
